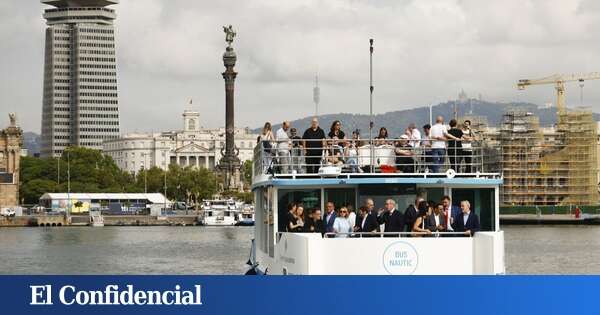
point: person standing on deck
(439, 134)
(392, 218)
(329, 217)
(283, 147)
(313, 144)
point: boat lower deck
(312, 254)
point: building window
(192, 124)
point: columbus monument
(230, 165)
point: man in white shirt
(283, 147)
(439, 134)
(414, 135)
(436, 221)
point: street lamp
(145, 173)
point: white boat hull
(215, 221)
(310, 254)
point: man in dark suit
(370, 204)
(468, 222)
(392, 218)
(366, 223)
(410, 215)
(314, 223)
(329, 217)
(435, 221)
(450, 211)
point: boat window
(431, 194)
(310, 199)
(341, 197)
(482, 202)
(404, 195)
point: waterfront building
(11, 139)
(546, 166)
(112, 202)
(80, 105)
(192, 146)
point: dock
(549, 219)
(109, 220)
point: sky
(170, 51)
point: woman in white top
(467, 145)
(351, 216)
(351, 153)
(266, 139)
(300, 217)
(341, 223)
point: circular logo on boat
(400, 258)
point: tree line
(90, 171)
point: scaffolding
(549, 168)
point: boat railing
(392, 234)
(391, 157)
(380, 234)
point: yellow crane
(559, 80)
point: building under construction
(549, 168)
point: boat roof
(375, 180)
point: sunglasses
(343, 211)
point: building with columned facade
(80, 105)
(191, 146)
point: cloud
(425, 52)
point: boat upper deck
(391, 161)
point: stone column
(230, 164)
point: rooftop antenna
(455, 110)
(316, 95)
(470, 106)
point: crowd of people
(414, 150)
(421, 219)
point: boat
(219, 212)
(374, 174)
(96, 218)
(246, 216)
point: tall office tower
(80, 105)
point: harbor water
(224, 250)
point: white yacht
(219, 212)
(377, 174)
(246, 215)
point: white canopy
(156, 198)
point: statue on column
(13, 119)
(229, 34)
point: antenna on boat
(371, 88)
(316, 95)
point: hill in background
(397, 121)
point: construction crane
(559, 80)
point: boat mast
(371, 88)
